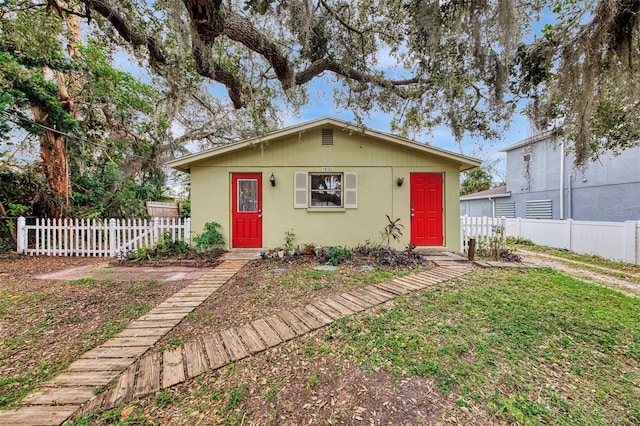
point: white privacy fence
(96, 237)
(611, 240)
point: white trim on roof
(483, 197)
(547, 134)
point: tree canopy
(475, 180)
(463, 64)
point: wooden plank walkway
(137, 373)
(120, 359)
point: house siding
(604, 190)
(378, 165)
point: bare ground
(52, 309)
(47, 323)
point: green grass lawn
(529, 347)
(534, 347)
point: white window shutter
(350, 190)
(300, 182)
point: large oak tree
(460, 63)
(465, 64)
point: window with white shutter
(350, 190)
(325, 190)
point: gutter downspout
(493, 207)
(562, 179)
(570, 197)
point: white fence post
(21, 244)
(462, 231)
(112, 238)
(156, 230)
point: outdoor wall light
(272, 179)
(400, 181)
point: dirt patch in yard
(52, 309)
(264, 287)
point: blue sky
(321, 104)
(441, 137)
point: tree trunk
(54, 162)
(53, 149)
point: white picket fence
(611, 240)
(96, 237)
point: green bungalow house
(328, 183)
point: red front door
(246, 210)
(426, 209)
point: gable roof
(184, 163)
(497, 192)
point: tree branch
(322, 65)
(124, 26)
(210, 20)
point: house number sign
(327, 169)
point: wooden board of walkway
(172, 367)
(345, 302)
(63, 395)
(355, 299)
(307, 318)
(385, 295)
(196, 358)
(338, 306)
(148, 375)
(251, 339)
(109, 364)
(372, 298)
(390, 288)
(151, 324)
(233, 344)
(321, 316)
(128, 352)
(328, 310)
(123, 391)
(122, 342)
(215, 350)
(280, 327)
(144, 332)
(83, 378)
(296, 325)
(268, 335)
(38, 415)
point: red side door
(246, 210)
(426, 209)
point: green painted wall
(377, 163)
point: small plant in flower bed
(168, 249)
(509, 256)
(389, 257)
(334, 255)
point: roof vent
(327, 137)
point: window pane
(247, 195)
(326, 190)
